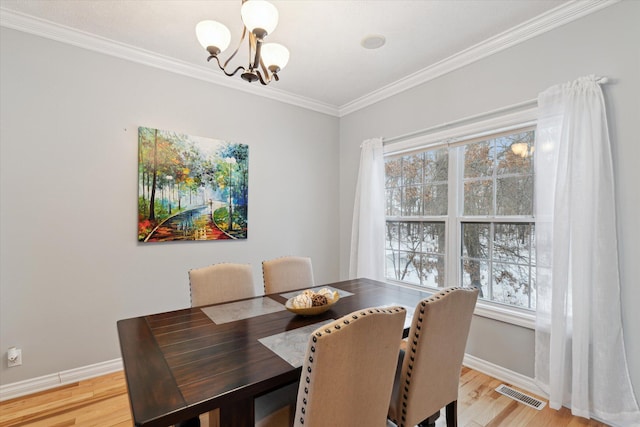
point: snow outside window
(461, 214)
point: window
(497, 229)
(461, 213)
(417, 199)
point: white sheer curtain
(367, 232)
(580, 356)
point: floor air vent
(520, 397)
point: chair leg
(431, 421)
(451, 413)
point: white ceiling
(328, 66)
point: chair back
(430, 374)
(286, 274)
(221, 283)
(348, 370)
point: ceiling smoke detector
(374, 41)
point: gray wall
(604, 43)
(70, 262)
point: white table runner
(292, 345)
(239, 310)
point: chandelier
(266, 60)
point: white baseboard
(515, 379)
(503, 374)
(34, 385)
(46, 382)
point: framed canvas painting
(191, 188)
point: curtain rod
(530, 102)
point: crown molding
(50, 30)
(548, 21)
(554, 18)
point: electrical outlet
(14, 357)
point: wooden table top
(180, 364)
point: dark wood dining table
(181, 363)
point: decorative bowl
(309, 311)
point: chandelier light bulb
(259, 16)
(275, 56)
(213, 35)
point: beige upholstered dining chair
(221, 283)
(215, 284)
(287, 273)
(428, 373)
(348, 369)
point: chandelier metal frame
(256, 70)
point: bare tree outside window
(417, 196)
(493, 190)
(498, 257)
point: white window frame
(454, 137)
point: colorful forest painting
(191, 188)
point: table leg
(214, 418)
(238, 414)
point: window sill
(513, 316)
(502, 313)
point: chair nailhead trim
(328, 331)
(418, 327)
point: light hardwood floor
(103, 401)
